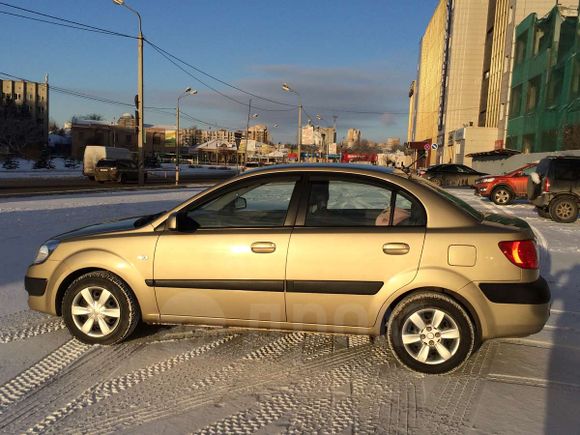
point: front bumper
(35, 286)
(481, 189)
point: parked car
(94, 153)
(554, 188)
(452, 175)
(333, 248)
(120, 170)
(503, 189)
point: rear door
(356, 241)
(520, 180)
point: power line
(170, 59)
(71, 24)
(219, 80)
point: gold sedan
(332, 248)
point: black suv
(555, 188)
(120, 170)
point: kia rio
(330, 248)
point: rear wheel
(502, 195)
(99, 308)
(564, 209)
(430, 333)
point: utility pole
(247, 128)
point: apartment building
(544, 112)
(23, 105)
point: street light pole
(286, 87)
(188, 91)
(255, 115)
(140, 132)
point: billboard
(169, 139)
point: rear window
(453, 199)
(567, 170)
(106, 164)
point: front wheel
(99, 308)
(502, 196)
(430, 333)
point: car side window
(256, 205)
(529, 170)
(338, 203)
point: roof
(325, 166)
(500, 152)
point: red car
(503, 189)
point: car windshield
(106, 163)
(453, 199)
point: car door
(227, 261)
(520, 180)
(356, 241)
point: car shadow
(563, 374)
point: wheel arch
(462, 301)
(69, 279)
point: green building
(544, 112)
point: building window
(521, 44)
(528, 143)
(575, 84)
(533, 97)
(555, 86)
(549, 140)
(516, 101)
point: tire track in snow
(108, 388)
(27, 324)
(208, 389)
(41, 372)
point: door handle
(263, 247)
(395, 248)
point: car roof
(333, 167)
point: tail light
(547, 185)
(522, 253)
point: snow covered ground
(186, 379)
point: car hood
(102, 228)
(506, 220)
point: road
(10, 187)
(206, 380)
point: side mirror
(171, 222)
(240, 203)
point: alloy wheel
(501, 196)
(431, 336)
(95, 311)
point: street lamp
(140, 132)
(250, 116)
(188, 91)
(287, 88)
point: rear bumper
(510, 309)
(532, 293)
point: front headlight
(487, 180)
(45, 250)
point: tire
(564, 209)
(430, 354)
(436, 181)
(121, 305)
(502, 195)
(542, 212)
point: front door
(359, 242)
(227, 261)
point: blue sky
(340, 55)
